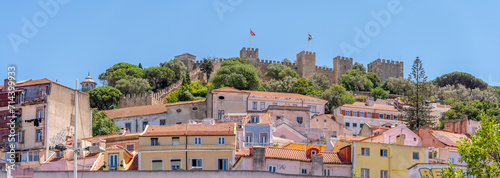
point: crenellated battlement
(385, 68)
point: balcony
(252, 144)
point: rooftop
(362, 105)
(144, 110)
(190, 129)
(300, 155)
(268, 94)
(303, 146)
(447, 138)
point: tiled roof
(350, 138)
(190, 129)
(302, 146)
(263, 118)
(99, 162)
(102, 137)
(447, 138)
(184, 54)
(331, 157)
(300, 155)
(134, 165)
(229, 89)
(282, 95)
(242, 152)
(35, 82)
(144, 110)
(362, 105)
(118, 148)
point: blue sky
(82, 36)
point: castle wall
(340, 66)
(386, 68)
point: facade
(439, 138)
(258, 130)
(438, 112)
(386, 160)
(188, 147)
(386, 68)
(334, 125)
(369, 130)
(295, 161)
(117, 158)
(464, 126)
(45, 117)
(129, 141)
(358, 114)
(135, 119)
(391, 136)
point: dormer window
(313, 152)
(254, 119)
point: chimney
(259, 158)
(400, 139)
(370, 101)
(317, 165)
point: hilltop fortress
(305, 66)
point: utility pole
(75, 149)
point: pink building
(389, 136)
(295, 161)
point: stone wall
(386, 68)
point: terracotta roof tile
(447, 138)
(282, 95)
(331, 157)
(350, 138)
(362, 105)
(144, 110)
(302, 146)
(102, 137)
(190, 129)
(134, 165)
(300, 155)
(119, 148)
(35, 82)
(229, 89)
(263, 118)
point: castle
(305, 65)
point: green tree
(284, 85)
(466, 79)
(177, 66)
(360, 67)
(102, 125)
(159, 77)
(374, 78)
(136, 85)
(495, 90)
(286, 61)
(336, 96)
(301, 86)
(207, 66)
(187, 79)
(104, 98)
(319, 80)
(120, 71)
(417, 114)
(480, 152)
(278, 71)
(188, 92)
(379, 93)
(355, 80)
(396, 85)
(238, 73)
(140, 65)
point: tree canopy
(102, 125)
(336, 96)
(136, 85)
(207, 66)
(238, 73)
(466, 79)
(104, 98)
(359, 66)
(284, 85)
(378, 93)
(177, 66)
(279, 71)
(319, 80)
(355, 80)
(396, 85)
(159, 77)
(120, 71)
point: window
(313, 152)
(347, 113)
(33, 156)
(39, 113)
(275, 104)
(365, 173)
(327, 172)
(381, 116)
(144, 124)
(222, 164)
(304, 171)
(248, 137)
(24, 157)
(415, 155)
(175, 140)
(178, 110)
(175, 164)
(347, 124)
(383, 153)
(38, 135)
(395, 117)
(355, 113)
(361, 114)
(196, 163)
(334, 134)
(163, 122)
(178, 123)
(42, 93)
(361, 125)
(384, 174)
(20, 137)
(130, 147)
(295, 105)
(254, 105)
(262, 105)
(278, 117)
(254, 119)
(113, 160)
(221, 97)
(324, 120)
(300, 120)
(128, 126)
(60, 154)
(271, 168)
(369, 115)
(388, 117)
(354, 124)
(263, 137)
(154, 142)
(220, 114)
(222, 140)
(451, 160)
(95, 144)
(313, 109)
(157, 164)
(195, 108)
(197, 140)
(365, 151)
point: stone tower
(306, 63)
(88, 84)
(340, 66)
(189, 60)
(251, 54)
(386, 68)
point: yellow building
(118, 158)
(386, 160)
(188, 146)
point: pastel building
(359, 113)
(117, 158)
(443, 144)
(188, 146)
(257, 129)
(392, 135)
(295, 161)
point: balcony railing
(251, 144)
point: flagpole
(250, 38)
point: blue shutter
(24, 157)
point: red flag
(252, 33)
